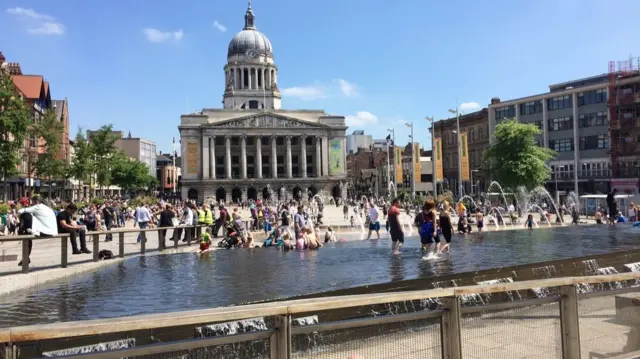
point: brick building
(476, 124)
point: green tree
(515, 159)
(129, 174)
(14, 123)
(82, 164)
(50, 164)
(103, 148)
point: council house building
(252, 148)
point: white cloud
(157, 36)
(469, 106)
(347, 88)
(48, 28)
(219, 26)
(361, 118)
(38, 24)
(29, 13)
(306, 92)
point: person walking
(374, 220)
(395, 228)
(142, 218)
(613, 206)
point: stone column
(258, 161)
(249, 85)
(325, 156)
(267, 76)
(227, 156)
(274, 159)
(303, 153)
(204, 163)
(241, 78)
(288, 161)
(318, 158)
(517, 107)
(212, 157)
(243, 156)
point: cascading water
(544, 273)
(496, 222)
(542, 194)
(509, 294)
(609, 285)
(542, 214)
(94, 348)
(634, 267)
(495, 183)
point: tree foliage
(104, 150)
(129, 174)
(50, 164)
(82, 165)
(14, 123)
(515, 159)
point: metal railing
(94, 237)
(449, 317)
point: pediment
(267, 121)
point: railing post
(96, 247)
(176, 242)
(121, 244)
(189, 233)
(64, 252)
(281, 340)
(143, 242)
(25, 256)
(569, 322)
(161, 243)
(450, 329)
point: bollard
(96, 247)
(64, 252)
(121, 244)
(25, 256)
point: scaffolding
(624, 118)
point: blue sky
(140, 64)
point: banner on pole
(398, 163)
(417, 167)
(437, 144)
(464, 156)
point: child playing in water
(205, 241)
(529, 222)
(329, 237)
(479, 219)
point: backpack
(105, 254)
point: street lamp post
(412, 167)
(457, 113)
(393, 140)
(433, 159)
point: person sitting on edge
(43, 220)
(66, 224)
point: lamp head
(453, 111)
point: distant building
(358, 140)
(167, 173)
(141, 150)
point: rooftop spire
(249, 18)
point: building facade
(166, 174)
(358, 140)
(252, 148)
(575, 119)
(141, 150)
(476, 125)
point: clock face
(251, 54)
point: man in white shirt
(43, 220)
(143, 217)
(374, 220)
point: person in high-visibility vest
(208, 215)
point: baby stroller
(231, 238)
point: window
(33, 142)
(561, 123)
(561, 145)
(592, 97)
(532, 107)
(592, 119)
(594, 142)
(538, 124)
(505, 112)
(559, 102)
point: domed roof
(249, 39)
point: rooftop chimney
(495, 100)
(14, 68)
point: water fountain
(395, 190)
(495, 209)
(542, 214)
(495, 183)
(572, 201)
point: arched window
(253, 105)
